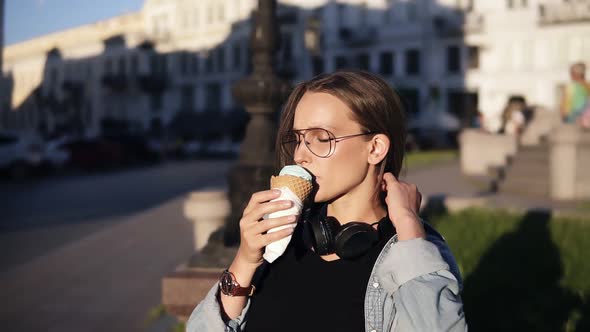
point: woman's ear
(379, 146)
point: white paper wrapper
(277, 248)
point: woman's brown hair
(374, 104)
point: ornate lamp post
(261, 93)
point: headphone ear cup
(317, 235)
(354, 239)
(328, 228)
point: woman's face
(347, 167)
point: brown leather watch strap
(230, 286)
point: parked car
(55, 155)
(433, 130)
(136, 149)
(20, 153)
(94, 154)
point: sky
(26, 19)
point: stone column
(207, 210)
(569, 163)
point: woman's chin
(318, 198)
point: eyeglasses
(318, 141)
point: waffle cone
(300, 187)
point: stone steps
(526, 186)
(531, 154)
(527, 172)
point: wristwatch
(230, 286)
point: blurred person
(513, 116)
(348, 130)
(576, 95)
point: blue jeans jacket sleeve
(207, 316)
(424, 281)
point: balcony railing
(563, 13)
(358, 36)
(458, 25)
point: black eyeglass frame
(332, 138)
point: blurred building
(4, 91)
(176, 60)
(1, 32)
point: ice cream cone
(300, 187)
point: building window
(413, 62)
(156, 102)
(122, 66)
(221, 59)
(511, 4)
(209, 63)
(163, 63)
(317, 64)
(134, 65)
(362, 61)
(187, 98)
(287, 46)
(184, 63)
(221, 13)
(195, 65)
(237, 56)
(463, 105)
(340, 62)
(158, 64)
(410, 98)
(453, 59)
(210, 14)
(108, 66)
(473, 57)
(386, 60)
(213, 97)
(153, 64)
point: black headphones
(327, 236)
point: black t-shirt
(302, 292)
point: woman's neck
(347, 209)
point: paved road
(38, 217)
(98, 269)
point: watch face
(226, 283)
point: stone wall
(480, 150)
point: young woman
(372, 264)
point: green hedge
(526, 272)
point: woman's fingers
(261, 197)
(259, 235)
(275, 236)
(268, 224)
(389, 177)
(265, 208)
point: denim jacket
(414, 286)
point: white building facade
(180, 56)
